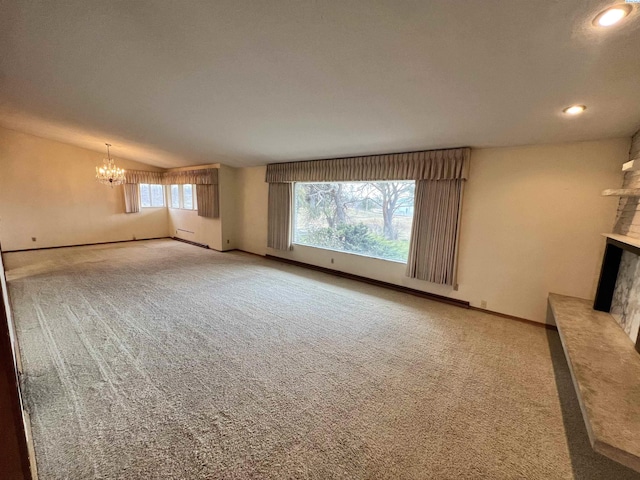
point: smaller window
(151, 195)
(183, 196)
(187, 196)
(145, 195)
(175, 196)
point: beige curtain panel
(434, 236)
(447, 164)
(143, 176)
(131, 197)
(279, 216)
(208, 201)
(203, 176)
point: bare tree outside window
(368, 218)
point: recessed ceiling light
(574, 109)
(612, 15)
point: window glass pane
(175, 196)
(367, 218)
(145, 195)
(157, 196)
(187, 196)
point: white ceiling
(248, 82)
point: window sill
(401, 262)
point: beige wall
(252, 210)
(531, 224)
(218, 233)
(532, 221)
(229, 207)
(48, 191)
(186, 224)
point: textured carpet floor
(156, 360)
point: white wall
(48, 191)
(531, 224)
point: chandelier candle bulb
(110, 174)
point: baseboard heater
(191, 243)
(371, 281)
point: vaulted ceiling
(247, 82)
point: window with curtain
(151, 195)
(373, 219)
(438, 178)
(183, 197)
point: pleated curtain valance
(143, 176)
(204, 176)
(450, 164)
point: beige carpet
(157, 360)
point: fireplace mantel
(630, 241)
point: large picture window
(367, 218)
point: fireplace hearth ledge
(605, 369)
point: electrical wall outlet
(33, 239)
(483, 304)
(332, 260)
